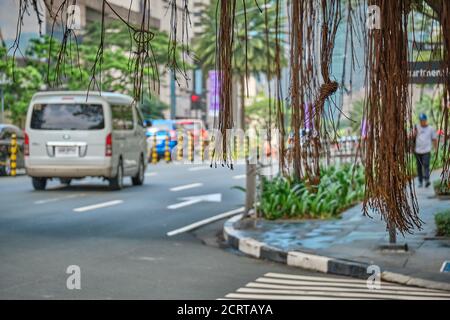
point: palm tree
(249, 57)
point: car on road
(6, 132)
(73, 134)
(162, 128)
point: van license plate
(66, 151)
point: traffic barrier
(167, 149)
(154, 152)
(202, 148)
(212, 147)
(246, 148)
(13, 155)
(191, 147)
(180, 145)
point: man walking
(426, 139)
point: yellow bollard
(202, 148)
(212, 147)
(235, 148)
(180, 146)
(13, 155)
(191, 147)
(154, 153)
(167, 150)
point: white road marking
(291, 286)
(151, 174)
(98, 206)
(198, 168)
(203, 222)
(239, 176)
(188, 201)
(187, 186)
(71, 196)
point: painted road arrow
(187, 201)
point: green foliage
(442, 220)
(441, 188)
(117, 35)
(285, 198)
(23, 82)
(356, 115)
(153, 108)
(257, 111)
(35, 72)
(205, 46)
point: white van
(70, 134)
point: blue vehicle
(162, 128)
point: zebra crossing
(280, 286)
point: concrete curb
(315, 262)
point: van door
(125, 136)
(141, 140)
(118, 136)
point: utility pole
(173, 97)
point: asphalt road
(119, 241)
(123, 250)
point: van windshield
(67, 117)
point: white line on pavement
(198, 168)
(205, 221)
(151, 174)
(98, 206)
(186, 186)
(71, 196)
(239, 176)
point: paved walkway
(356, 237)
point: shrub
(441, 188)
(442, 220)
(339, 188)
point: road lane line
(151, 174)
(239, 176)
(59, 198)
(186, 186)
(98, 206)
(203, 222)
(184, 204)
(198, 168)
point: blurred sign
(428, 72)
(198, 82)
(213, 93)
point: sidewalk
(348, 245)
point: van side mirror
(147, 123)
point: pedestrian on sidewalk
(425, 140)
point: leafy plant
(441, 188)
(340, 187)
(442, 220)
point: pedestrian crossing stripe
(279, 286)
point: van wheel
(65, 181)
(39, 183)
(116, 183)
(138, 180)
